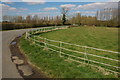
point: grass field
(98, 37)
(55, 66)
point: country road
(8, 68)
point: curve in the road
(9, 69)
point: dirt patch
(16, 53)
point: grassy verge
(58, 67)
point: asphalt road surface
(8, 68)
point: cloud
(7, 8)
(19, 10)
(113, 0)
(86, 12)
(9, 2)
(50, 8)
(68, 5)
(29, 2)
(89, 12)
(39, 13)
(77, 12)
(44, 14)
(6, 0)
(96, 6)
(34, 2)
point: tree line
(18, 22)
(107, 17)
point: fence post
(45, 42)
(33, 39)
(51, 28)
(41, 29)
(32, 32)
(86, 55)
(60, 48)
(44, 29)
(37, 30)
(26, 35)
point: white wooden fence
(60, 48)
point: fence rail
(83, 46)
(60, 48)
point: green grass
(58, 67)
(98, 37)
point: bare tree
(36, 19)
(6, 18)
(56, 20)
(78, 19)
(20, 18)
(28, 18)
(64, 12)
